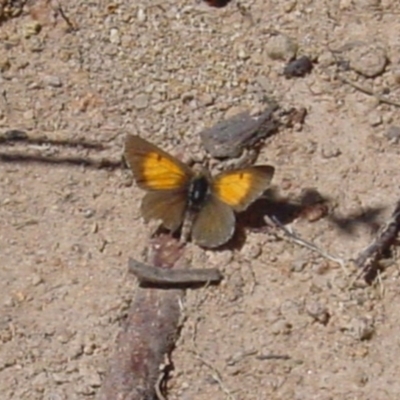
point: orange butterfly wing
(153, 168)
(165, 177)
(239, 188)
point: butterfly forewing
(239, 188)
(214, 224)
(153, 168)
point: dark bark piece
(148, 335)
(230, 137)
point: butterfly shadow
(285, 209)
(255, 217)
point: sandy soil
(166, 70)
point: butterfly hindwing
(214, 224)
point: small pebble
(374, 118)
(395, 74)
(31, 28)
(242, 55)
(236, 285)
(89, 348)
(141, 15)
(75, 350)
(60, 378)
(206, 99)
(252, 251)
(36, 45)
(281, 47)
(289, 6)
(53, 81)
(318, 312)
(326, 59)
(90, 376)
(65, 336)
(141, 101)
(281, 327)
(36, 279)
(393, 134)
(8, 302)
(330, 152)
(4, 63)
(298, 265)
(40, 382)
(114, 36)
(89, 213)
(361, 328)
(369, 60)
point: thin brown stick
(12, 136)
(71, 25)
(148, 275)
(216, 375)
(87, 162)
(271, 356)
(368, 91)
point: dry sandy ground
(165, 70)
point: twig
(71, 26)
(148, 275)
(17, 135)
(368, 91)
(301, 242)
(263, 357)
(216, 374)
(87, 162)
(161, 381)
(386, 236)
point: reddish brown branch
(149, 333)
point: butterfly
(174, 190)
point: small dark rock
(298, 68)
(217, 3)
